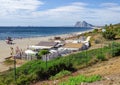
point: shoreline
(79, 32)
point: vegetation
(41, 53)
(109, 34)
(112, 31)
(101, 57)
(97, 41)
(60, 75)
(36, 70)
(115, 49)
(95, 30)
(81, 78)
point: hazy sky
(58, 12)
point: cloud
(111, 6)
(81, 11)
(63, 11)
(26, 13)
(18, 7)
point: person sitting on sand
(9, 40)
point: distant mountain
(83, 24)
(118, 24)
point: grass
(81, 78)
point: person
(9, 40)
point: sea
(28, 32)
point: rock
(83, 24)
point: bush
(109, 34)
(39, 69)
(41, 53)
(115, 49)
(101, 57)
(97, 41)
(81, 78)
(60, 75)
(95, 30)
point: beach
(23, 44)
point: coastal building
(44, 45)
(59, 48)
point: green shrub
(101, 57)
(40, 71)
(109, 34)
(41, 53)
(97, 41)
(60, 75)
(95, 30)
(115, 49)
(81, 78)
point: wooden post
(12, 54)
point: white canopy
(30, 52)
(53, 51)
(39, 47)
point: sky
(58, 12)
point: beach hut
(44, 45)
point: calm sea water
(25, 32)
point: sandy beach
(23, 44)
